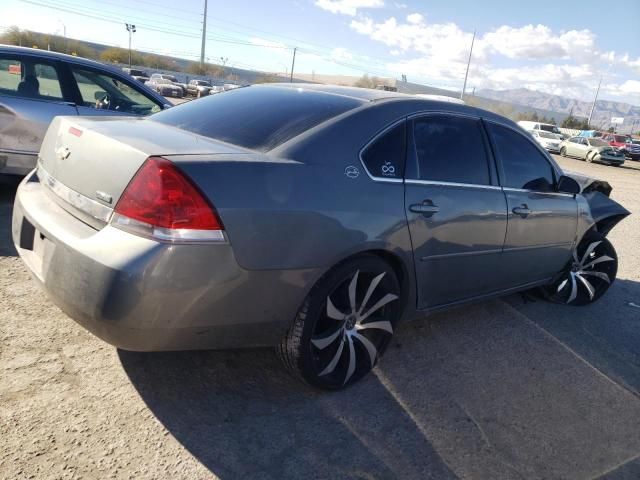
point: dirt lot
(504, 389)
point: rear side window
(451, 149)
(259, 118)
(29, 78)
(523, 165)
(384, 158)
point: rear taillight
(161, 202)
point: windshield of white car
(596, 142)
(545, 134)
(549, 128)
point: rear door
(542, 222)
(456, 212)
(32, 92)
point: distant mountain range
(605, 109)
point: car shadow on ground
(477, 392)
(7, 193)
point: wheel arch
(404, 272)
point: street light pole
(464, 87)
(293, 64)
(204, 35)
(131, 29)
(593, 106)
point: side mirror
(568, 185)
(99, 95)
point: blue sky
(555, 47)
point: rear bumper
(139, 294)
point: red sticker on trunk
(75, 131)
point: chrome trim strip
(461, 254)
(73, 198)
(524, 190)
(537, 247)
(375, 137)
(452, 184)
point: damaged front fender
(597, 210)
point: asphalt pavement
(515, 388)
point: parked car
(547, 140)
(591, 133)
(139, 75)
(172, 79)
(199, 88)
(591, 149)
(166, 88)
(312, 218)
(37, 85)
(624, 144)
(537, 126)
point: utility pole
(593, 107)
(204, 35)
(293, 64)
(464, 87)
(131, 29)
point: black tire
(563, 152)
(594, 259)
(307, 349)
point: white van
(547, 127)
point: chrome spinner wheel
(345, 324)
(591, 272)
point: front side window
(451, 149)
(102, 91)
(384, 158)
(29, 78)
(523, 165)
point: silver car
(308, 217)
(591, 149)
(547, 140)
(37, 85)
(165, 87)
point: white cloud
(539, 42)
(348, 7)
(630, 86)
(341, 54)
(415, 18)
(565, 63)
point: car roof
(56, 56)
(366, 94)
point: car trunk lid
(88, 162)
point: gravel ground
(510, 388)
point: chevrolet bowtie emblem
(63, 152)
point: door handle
(522, 210)
(426, 208)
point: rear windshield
(259, 118)
(549, 128)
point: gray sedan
(37, 85)
(311, 218)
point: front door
(455, 210)
(542, 222)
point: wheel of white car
(590, 156)
(589, 275)
(563, 152)
(344, 324)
